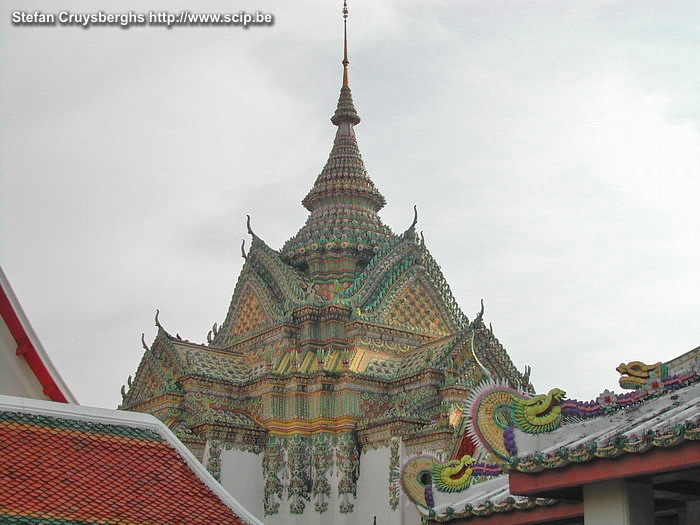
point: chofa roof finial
(415, 217)
(480, 315)
(247, 225)
(486, 371)
(157, 321)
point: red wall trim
(27, 350)
(655, 461)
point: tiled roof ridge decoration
(125, 427)
(546, 413)
(487, 402)
(656, 392)
(623, 445)
(495, 409)
(551, 431)
(563, 411)
(424, 477)
(488, 507)
(609, 402)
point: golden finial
(345, 44)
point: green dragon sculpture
(496, 409)
(493, 412)
(635, 374)
(421, 474)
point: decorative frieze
(214, 459)
(394, 471)
(322, 464)
(299, 465)
(348, 462)
(273, 473)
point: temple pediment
(254, 307)
(403, 287)
(157, 374)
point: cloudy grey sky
(552, 148)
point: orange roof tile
(62, 471)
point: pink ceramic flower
(607, 399)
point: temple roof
(661, 413)
(75, 465)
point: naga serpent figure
(421, 475)
(635, 374)
(496, 409)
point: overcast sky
(552, 148)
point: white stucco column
(618, 502)
(241, 475)
(690, 515)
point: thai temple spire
(345, 44)
(346, 109)
(343, 201)
(347, 339)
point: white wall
(16, 378)
(618, 502)
(373, 489)
(242, 476)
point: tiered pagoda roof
(345, 294)
(349, 327)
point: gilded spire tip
(345, 44)
(345, 112)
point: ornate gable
(432, 354)
(285, 283)
(157, 374)
(371, 284)
(403, 287)
(253, 308)
(414, 308)
(250, 314)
